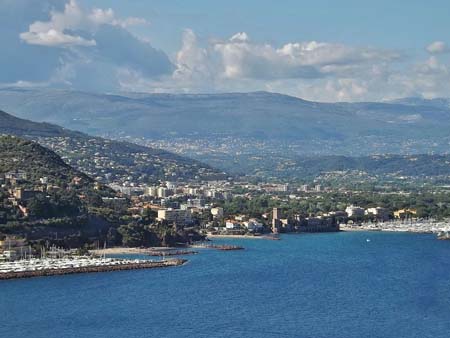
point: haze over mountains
(401, 126)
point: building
(163, 192)
(253, 225)
(171, 185)
(24, 195)
(232, 225)
(381, 214)
(195, 203)
(217, 212)
(405, 213)
(303, 188)
(177, 216)
(151, 191)
(276, 220)
(355, 212)
(318, 224)
(276, 213)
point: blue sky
(408, 24)
(321, 50)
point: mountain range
(377, 127)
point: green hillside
(43, 198)
(119, 159)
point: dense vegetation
(427, 204)
(22, 155)
(65, 206)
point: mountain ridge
(260, 115)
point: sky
(318, 50)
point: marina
(38, 267)
(417, 226)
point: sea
(332, 285)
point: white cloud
(244, 59)
(437, 47)
(96, 51)
(53, 38)
(192, 60)
(58, 31)
(62, 44)
(240, 37)
(133, 21)
(313, 70)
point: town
(128, 195)
(223, 207)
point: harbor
(40, 267)
(417, 226)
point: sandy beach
(266, 237)
(126, 251)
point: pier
(223, 247)
(164, 253)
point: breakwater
(218, 247)
(163, 253)
(111, 265)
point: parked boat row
(417, 226)
(47, 267)
(444, 235)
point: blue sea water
(321, 285)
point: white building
(164, 192)
(380, 213)
(253, 225)
(171, 185)
(232, 225)
(177, 216)
(151, 191)
(354, 211)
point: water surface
(319, 285)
